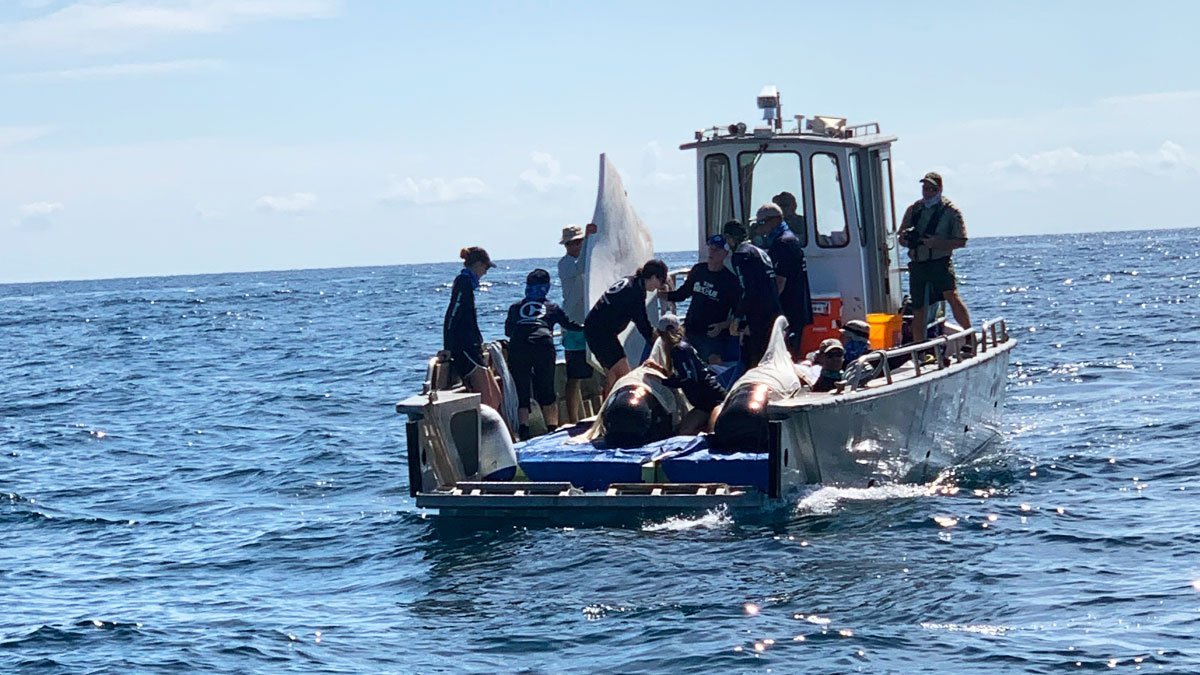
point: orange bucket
(885, 330)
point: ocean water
(207, 474)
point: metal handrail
(429, 386)
(967, 342)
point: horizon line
(445, 262)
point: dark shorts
(705, 396)
(463, 361)
(930, 280)
(577, 366)
(532, 367)
(605, 346)
(724, 345)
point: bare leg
(693, 422)
(712, 419)
(920, 324)
(550, 414)
(482, 381)
(961, 315)
(620, 369)
(522, 415)
(574, 395)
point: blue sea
(207, 473)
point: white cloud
(435, 190)
(37, 215)
(123, 70)
(547, 173)
(295, 202)
(41, 208)
(652, 166)
(14, 135)
(100, 25)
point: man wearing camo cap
(932, 229)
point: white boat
(929, 406)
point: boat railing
(937, 353)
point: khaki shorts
(929, 280)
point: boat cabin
(841, 177)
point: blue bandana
(927, 203)
(776, 233)
(466, 272)
(536, 291)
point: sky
(158, 137)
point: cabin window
(855, 189)
(830, 216)
(718, 193)
(767, 174)
(889, 207)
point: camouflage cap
(933, 178)
(831, 345)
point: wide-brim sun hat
(571, 233)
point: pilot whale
(741, 425)
(640, 409)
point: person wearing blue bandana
(530, 328)
(461, 340)
(932, 229)
(759, 303)
(791, 272)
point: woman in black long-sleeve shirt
(462, 341)
(623, 302)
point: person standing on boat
(714, 293)
(933, 229)
(530, 328)
(623, 302)
(787, 203)
(461, 340)
(570, 275)
(759, 304)
(791, 272)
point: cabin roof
(753, 140)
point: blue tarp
(593, 466)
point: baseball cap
(668, 322)
(933, 178)
(718, 241)
(735, 230)
(571, 233)
(768, 210)
(831, 345)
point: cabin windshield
(766, 174)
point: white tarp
(651, 378)
(776, 369)
(621, 244)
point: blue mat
(700, 466)
(593, 466)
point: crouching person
(686, 372)
(531, 354)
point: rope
(862, 370)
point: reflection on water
(205, 473)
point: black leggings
(532, 366)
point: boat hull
(904, 432)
